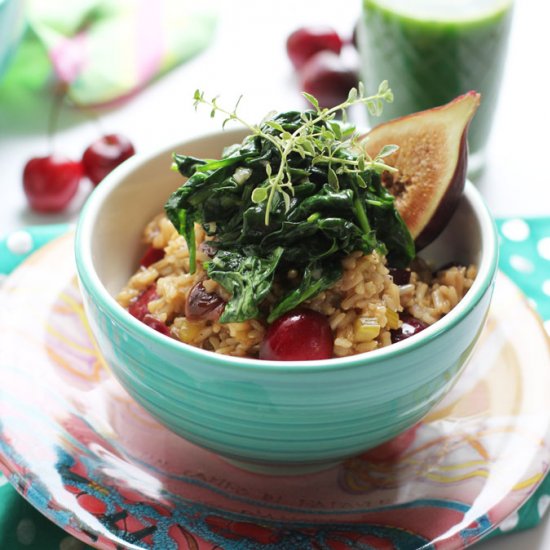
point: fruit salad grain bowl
(174, 330)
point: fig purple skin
(432, 162)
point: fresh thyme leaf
(333, 179)
(387, 150)
(298, 193)
(312, 99)
(259, 195)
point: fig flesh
(432, 162)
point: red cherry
(51, 182)
(299, 335)
(327, 78)
(151, 256)
(410, 326)
(305, 42)
(138, 308)
(157, 325)
(105, 154)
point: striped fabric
(105, 50)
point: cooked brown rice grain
(365, 291)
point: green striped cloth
(104, 50)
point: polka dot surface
(515, 229)
(543, 248)
(70, 543)
(524, 248)
(26, 531)
(509, 523)
(521, 264)
(542, 504)
(20, 242)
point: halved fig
(432, 161)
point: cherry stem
(92, 117)
(59, 97)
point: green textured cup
(280, 416)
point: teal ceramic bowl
(266, 413)
(11, 28)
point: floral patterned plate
(89, 458)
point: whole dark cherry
(411, 326)
(50, 182)
(327, 78)
(299, 335)
(105, 154)
(305, 42)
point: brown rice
(365, 296)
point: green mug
(432, 51)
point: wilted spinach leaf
(271, 207)
(247, 278)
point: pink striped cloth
(105, 50)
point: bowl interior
(131, 196)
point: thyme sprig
(321, 137)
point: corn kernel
(366, 329)
(188, 331)
(392, 318)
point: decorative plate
(82, 452)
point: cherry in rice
(299, 335)
(410, 326)
(151, 256)
(139, 308)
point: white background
(248, 57)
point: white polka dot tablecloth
(524, 258)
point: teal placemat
(524, 257)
